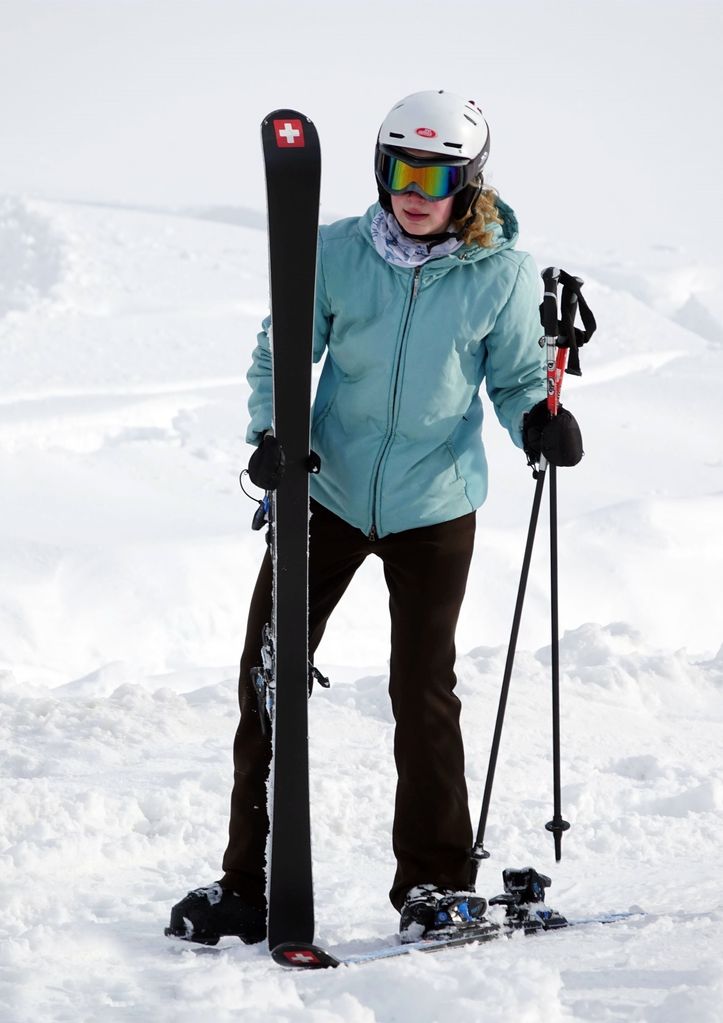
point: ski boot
(207, 914)
(432, 912)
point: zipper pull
(372, 535)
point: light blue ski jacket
(397, 418)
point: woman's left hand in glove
(557, 438)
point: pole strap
(572, 300)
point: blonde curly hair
(479, 230)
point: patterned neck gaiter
(399, 249)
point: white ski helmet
(451, 130)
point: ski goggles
(433, 181)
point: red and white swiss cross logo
(289, 133)
(301, 956)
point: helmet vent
(453, 145)
(471, 120)
(396, 135)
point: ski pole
(556, 363)
(548, 313)
(561, 341)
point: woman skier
(418, 302)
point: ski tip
(284, 130)
(303, 956)
(285, 112)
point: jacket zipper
(372, 535)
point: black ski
(293, 169)
(523, 900)
(306, 956)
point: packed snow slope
(127, 565)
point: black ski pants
(426, 574)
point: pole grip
(550, 280)
(555, 357)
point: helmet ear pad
(464, 200)
(385, 199)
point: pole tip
(558, 827)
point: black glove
(267, 463)
(557, 437)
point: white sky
(604, 115)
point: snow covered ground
(127, 566)
(126, 324)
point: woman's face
(418, 215)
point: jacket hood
(505, 235)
